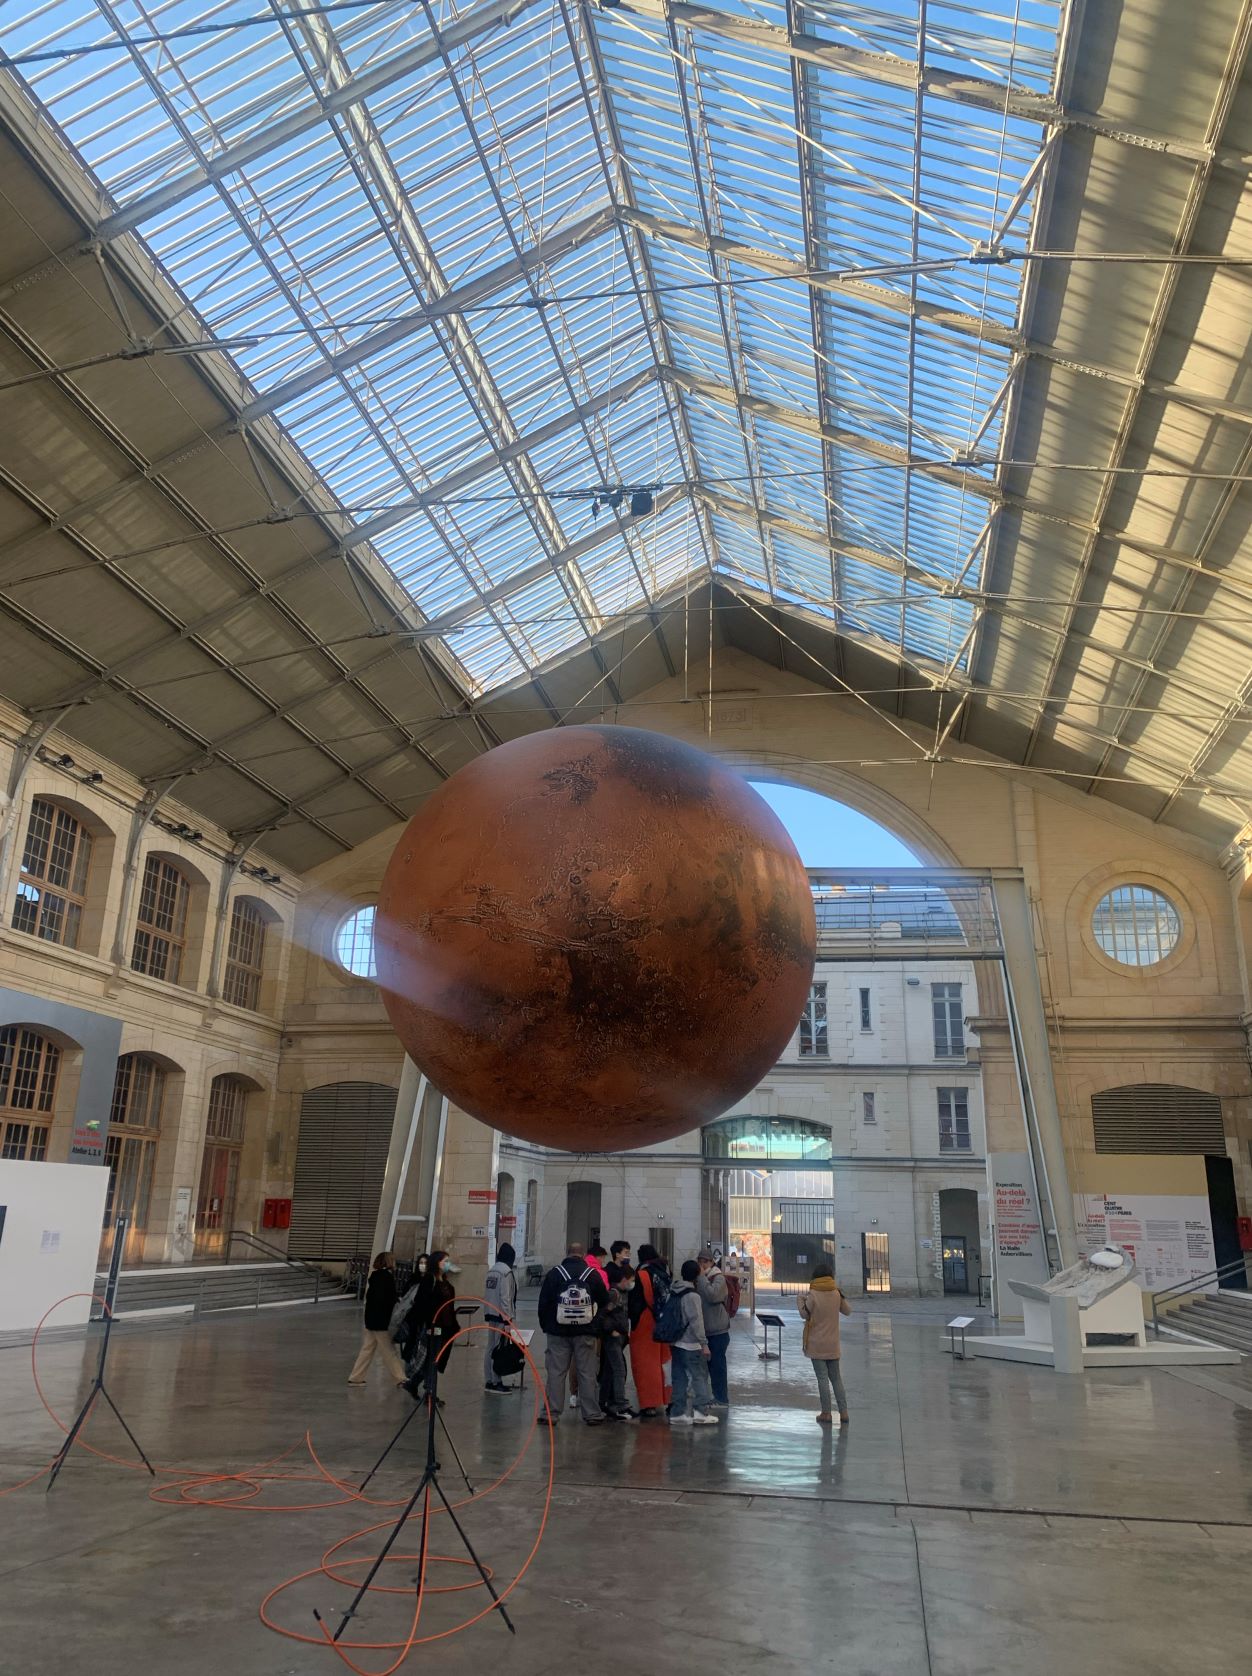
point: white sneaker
(705, 1420)
(573, 1402)
(681, 1420)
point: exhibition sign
(1170, 1236)
(1016, 1227)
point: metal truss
(469, 261)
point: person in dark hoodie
(380, 1300)
(613, 1326)
(569, 1301)
(500, 1299)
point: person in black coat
(380, 1300)
(433, 1313)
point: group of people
(601, 1315)
(597, 1317)
(413, 1333)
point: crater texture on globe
(595, 938)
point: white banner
(1171, 1237)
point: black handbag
(507, 1358)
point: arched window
(354, 943)
(29, 1064)
(219, 1169)
(53, 884)
(160, 936)
(131, 1144)
(245, 955)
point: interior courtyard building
(859, 392)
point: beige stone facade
(1182, 1022)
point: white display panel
(1170, 1235)
(50, 1241)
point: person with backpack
(613, 1327)
(649, 1359)
(570, 1298)
(821, 1306)
(715, 1298)
(380, 1300)
(500, 1301)
(681, 1326)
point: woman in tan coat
(821, 1306)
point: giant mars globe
(595, 938)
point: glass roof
(490, 258)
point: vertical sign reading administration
(1017, 1228)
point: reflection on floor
(973, 1518)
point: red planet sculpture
(595, 938)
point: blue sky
(829, 834)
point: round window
(354, 943)
(1136, 926)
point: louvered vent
(345, 1132)
(1157, 1117)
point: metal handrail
(243, 1235)
(1197, 1283)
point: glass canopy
(485, 262)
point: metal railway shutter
(1157, 1117)
(341, 1156)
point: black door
(1224, 1209)
(795, 1256)
(955, 1267)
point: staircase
(1221, 1317)
(203, 1287)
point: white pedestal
(1120, 1311)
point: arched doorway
(582, 1213)
(960, 1240)
(341, 1158)
(772, 1181)
(130, 1150)
(219, 1168)
(506, 1209)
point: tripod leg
(426, 1478)
(62, 1454)
(105, 1394)
(469, 1549)
(416, 1409)
(456, 1456)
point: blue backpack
(671, 1322)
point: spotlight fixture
(64, 761)
(94, 778)
(641, 503)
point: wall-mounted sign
(506, 1222)
(482, 1196)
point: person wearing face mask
(433, 1314)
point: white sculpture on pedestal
(1108, 1305)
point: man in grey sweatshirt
(690, 1368)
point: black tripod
(428, 1482)
(98, 1387)
(404, 1426)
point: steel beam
(477, 21)
(1014, 101)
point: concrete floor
(974, 1518)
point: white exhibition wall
(50, 1240)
